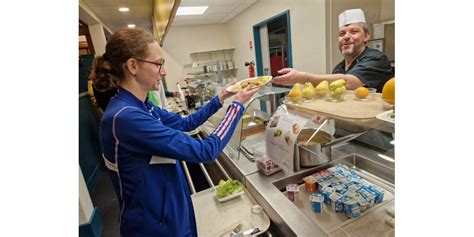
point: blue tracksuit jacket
(142, 146)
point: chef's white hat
(351, 16)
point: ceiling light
(131, 25)
(191, 10)
(124, 9)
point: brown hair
(107, 71)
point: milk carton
(379, 193)
(351, 208)
(316, 202)
(326, 192)
(368, 196)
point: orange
(388, 91)
(361, 92)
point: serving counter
(296, 218)
(220, 218)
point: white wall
(181, 41)
(98, 38)
(174, 72)
(387, 11)
(308, 32)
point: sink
(333, 223)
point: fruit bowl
(387, 104)
(322, 90)
(293, 100)
(321, 95)
(364, 99)
(335, 96)
(365, 94)
(388, 93)
(306, 100)
(337, 90)
(308, 92)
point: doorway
(272, 39)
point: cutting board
(348, 108)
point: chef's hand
(224, 94)
(246, 94)
(290, 76)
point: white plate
(236, 86)
(364, 99)
(386, 116)
(230, 197)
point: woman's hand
(246, 94)
(224, 94)
(290, 76)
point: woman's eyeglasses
(159, 65)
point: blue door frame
(258, 46)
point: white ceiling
(219, 11)
(140, 14)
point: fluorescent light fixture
(124, 9)
(191, 10)
(131, 25)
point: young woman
(143, 144)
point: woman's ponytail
(102, 74)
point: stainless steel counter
(220, 218)
(289, 219)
